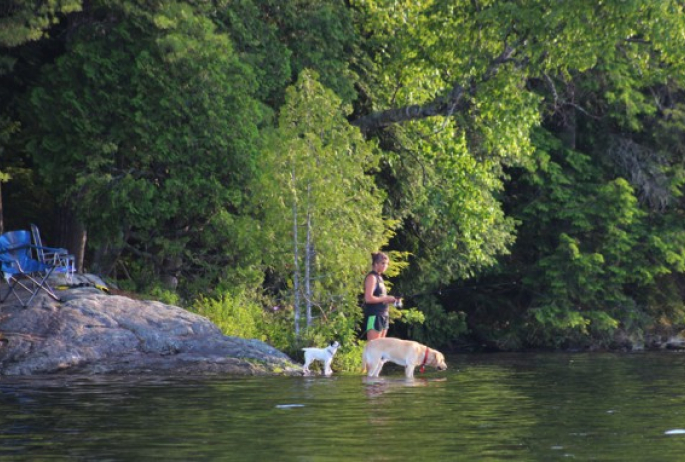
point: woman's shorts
(377, 322)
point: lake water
(488, 407)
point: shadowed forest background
(521, 162)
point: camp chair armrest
(53, 250)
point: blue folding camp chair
(21, 271)
(61, 259)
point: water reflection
(377, 386)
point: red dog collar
(425, 360)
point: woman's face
(381, 266)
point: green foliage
(435, 326)
(237, 315)
(320, 36)
(597, 251)
(278, 328)
(7, 128)
(258, 40)
(280, 40)
(155, 114)
(245, 314)
(23, 21)
(412, 316)
(321, 214)
(349, 358)
(165, 296)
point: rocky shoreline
(92, 332)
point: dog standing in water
(325, 355)
(405, 353)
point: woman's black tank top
(378, 291)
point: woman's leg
(373, 334)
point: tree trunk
(446, 105)
(308, 271)
(569, 120)
(296, 262)
(79, 239)
(170, 269)
(71, 235)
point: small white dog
(325, 355)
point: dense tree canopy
(528, 156)
(141, 148)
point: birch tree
(322, 211)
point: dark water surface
(499, 407)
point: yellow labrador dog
(402, 352)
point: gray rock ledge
(92, 332)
